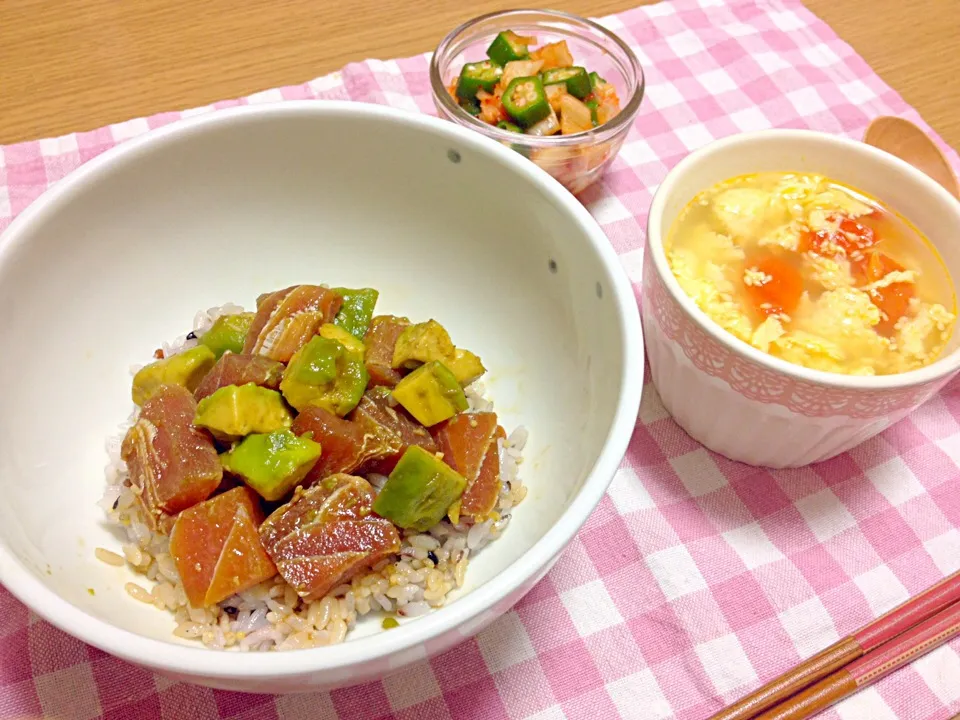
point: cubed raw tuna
(392, 426)
(327, 534)
(217, 550)
(469, 445)
(233, 369)
(346, 445)
(172, 464)
(288, 318)
(381, 339)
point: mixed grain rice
(270, 616)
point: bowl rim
(657, 229)
(621, 122)
(204, 663)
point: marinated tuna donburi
(290, 469)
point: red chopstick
(917, 641)
(844, 652)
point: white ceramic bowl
(741, 402)
(446, 223)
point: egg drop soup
(814, 272)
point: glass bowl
(576, 160)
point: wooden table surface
(80, 64)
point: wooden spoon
(909, 143)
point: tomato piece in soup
(893, 300)
(851, 238)
(779, 290)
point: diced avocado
(422, 343)
(419, 491)
(379, 392)
(357, 310)
(332, 332)
(326, 373)
(314, 364)
(425, 342)
(228, 332)
(272, 463)
(453, 512)
(465, 366)
(186, 369)
(431, 394)
(235, 411)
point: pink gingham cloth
(697, 578)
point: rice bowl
(278, 187)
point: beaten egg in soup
(814, 272)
